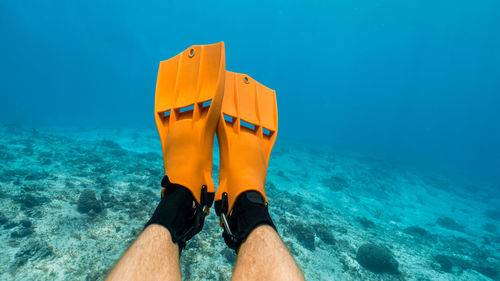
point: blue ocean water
(389, 131)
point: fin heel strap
(179, 213)
(249, 212)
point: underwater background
(389, 133)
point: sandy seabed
(326, 204)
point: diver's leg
(263, 256)
(153, 256)
(194, 79)
(250, 231)
(246, 132)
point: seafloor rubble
(71, 201)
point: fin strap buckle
(221, 208)
(206, 199)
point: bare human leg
(263, 256)
(188, 98)
(153, 256)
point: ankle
(249, 212)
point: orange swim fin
(247, 130)
(188, 100)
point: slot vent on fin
(186, 109)
(204, 107)
(184, 112)
(164, 114)
(267, 132)
(247, 125)
(206, 103)
(228, 119)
